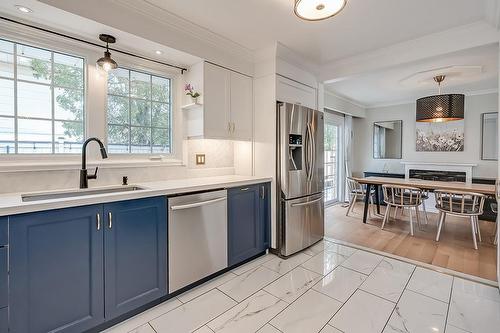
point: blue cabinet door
(245, 233)
(56, 270)
(265, 215)
(135, 258)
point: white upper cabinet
(241, 111)
(294, 92)
(227, 109)
(216, 102)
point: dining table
(429, 185)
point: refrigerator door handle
(313, 159)
(306, 154)
(310, 153)
(307, 203)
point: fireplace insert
(438, 175)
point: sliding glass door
(334, 151)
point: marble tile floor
(327, 288)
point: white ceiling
(362, 26)
(469, 71)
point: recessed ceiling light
(158, 52)
(24, 9)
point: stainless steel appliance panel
(303, 223)
(197, 237)
(316, 182)
(300, 150)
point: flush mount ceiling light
(316, 10)
(24, 9)
(158, 52)
(440, 108)
(106, 63)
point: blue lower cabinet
(135, 255)
(76, 268)
(248, 222)
(4, 271)
(4, 231)
(265, 215)
(4, 320)
(56, 270)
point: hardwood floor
(454, 251)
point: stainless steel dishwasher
(197, 237)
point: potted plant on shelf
(189, 89)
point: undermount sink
(77, 193)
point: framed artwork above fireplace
(444, 136)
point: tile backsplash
(219, 160)
(218, 153)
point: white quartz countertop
(11, 203)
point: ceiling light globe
(106, 63)
(316, 10)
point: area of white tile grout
(327, 288)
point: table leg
(367, 201)
(377, 198)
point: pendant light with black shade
(441, 107)
(106, 63)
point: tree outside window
(42, 100)
(139, 112)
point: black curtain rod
(182, 69)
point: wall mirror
(489, 136)
(387, 139)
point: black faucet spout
(84, 176)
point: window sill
(33, 166)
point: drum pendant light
(106, 63)
(316, 10)
(440, 108)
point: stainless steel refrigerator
(300, 177)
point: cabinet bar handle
(98, 216)
(244, 189)
(198, 204)
(229, 127)
(262, 192)
(110, 220)
(234, 127)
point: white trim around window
(96, 106)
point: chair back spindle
(460, 203)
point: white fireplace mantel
(440, 166)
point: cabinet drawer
(4, 320)
(4, 231)
(3, 277)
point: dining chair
(461, 204)
(356, 191)
(425, 196)
(402, 197)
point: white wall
(363, 142)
